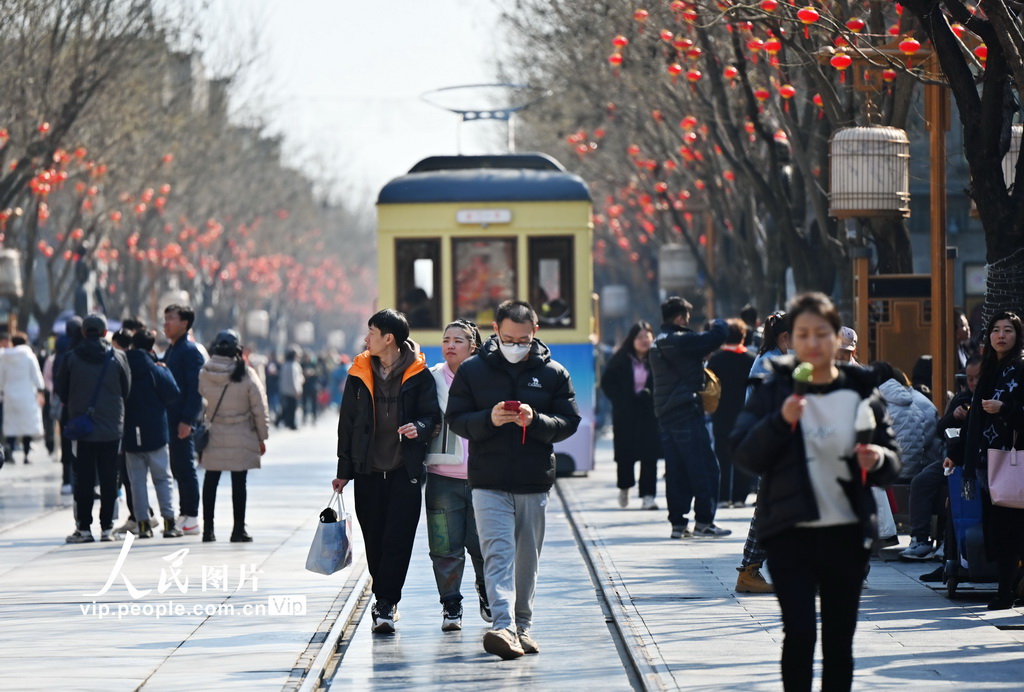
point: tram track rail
(632, 642)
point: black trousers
(238, 499)
(626, 476)
(95, 459)
(388, 508)
(830, 561)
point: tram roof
(494, 178)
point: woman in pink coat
(239, 424)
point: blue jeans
(691, 470)
(451, 533)
(183, 468)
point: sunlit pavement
(672, 603)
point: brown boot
(751, 581)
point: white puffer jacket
(241, 422)
(21, 380)
(915, 426)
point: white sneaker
(648, 502)
(130, 526)
(918, 550)
(623, 497)
(107, 536)
(189, 525)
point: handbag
(82, 426)
(1006, 476)
(331, 550)
(201, 434)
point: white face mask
(515, 352)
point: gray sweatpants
(142, 464)
(511, 529)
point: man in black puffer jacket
(95, 379)
(691, 469)
(512, 402)
(387, 416)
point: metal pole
(936, 101)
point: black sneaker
(451, 612)
(384, 616)
(485, 606)
(935, 576)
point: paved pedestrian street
(619, 606)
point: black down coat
(501, 458)
(764, 443)
(633, 421)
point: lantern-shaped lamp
(677, 268)
(870, 172)
(10, 272)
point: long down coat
(21, 380)
(241, 422)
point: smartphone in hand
(511, 405)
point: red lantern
(730, 72)
(44, 128)
(620, 41)
(615, 60)
(688, 123)
(666, 35)
(682, 44)
(855, 24)
(675, 69)
(787, 91)
(661, 188)
(772, 45)
(761, 95)
(908, 47)
(769, 5)
(694, 53)
(981, 53)
(807, 15)
(958, 29)
(888, 76)
(690, 15)
(641, 16)
(841, 61)
(633, 150)
(693, 76)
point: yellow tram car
(457, 235)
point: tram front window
(485, 276)
(417, 267)
(551, 285)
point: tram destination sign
(483, 217)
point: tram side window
(551, 281)
(417, 277)
(485, 276)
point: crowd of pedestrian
(478, 430)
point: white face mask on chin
(515, 352)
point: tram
(457, 235)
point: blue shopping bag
(331, 550)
